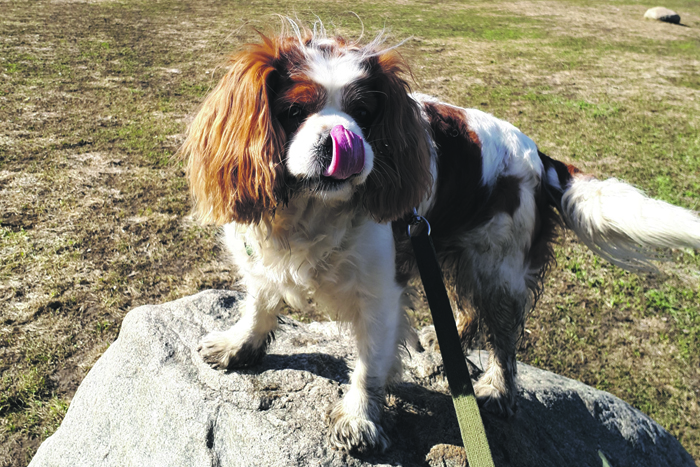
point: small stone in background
(663, 14)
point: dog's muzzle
(347, 154)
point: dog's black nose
(325, 153)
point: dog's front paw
(355, 434)
(499, 401)
(223, 350)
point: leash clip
(417, 220)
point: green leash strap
(470, 424)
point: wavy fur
(623, 225)
(234, 146)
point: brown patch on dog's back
(460, 178)
(462, 201)
(459, 171)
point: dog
(312, 150)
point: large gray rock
(151, 401)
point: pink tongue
(348, 154)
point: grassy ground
(95, 97)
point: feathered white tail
(623, 225)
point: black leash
(470, 424)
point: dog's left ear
(399, 136)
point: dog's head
(303, 115)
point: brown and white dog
(310, 152)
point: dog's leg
(246, 342)
(502, 307)
(466, 316)
(355, 420)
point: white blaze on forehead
(334, 72)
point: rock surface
(663, 14)
(151, 401)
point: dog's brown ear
(401, 177)
(234, 146)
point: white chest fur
(333, 254)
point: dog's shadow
(321, 364)
(415, 418)
(418, 419)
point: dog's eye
(295, 111)
(362, 113)
(363, 116)
(291, 118)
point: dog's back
(493, 225)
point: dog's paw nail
(223, 352)
(355, 434)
